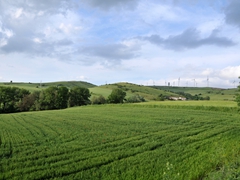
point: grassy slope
(36, 86)
(148, 92)
(119, 142)
(131, 89)
(213, 93)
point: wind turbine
(178, 81)
(194, 82)
(234, 84)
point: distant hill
(213, 93)
(38, 86)
(148, 93)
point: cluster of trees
(117, 96)
(191, 97)
(13, 99)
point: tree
(48, 98)
(62, 97)
(79, 96)
(10, 97)
(29, 102)
(117, 96)
(98, 100)
(135, 99)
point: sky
(194, 43)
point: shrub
(98, 100)
(135, 99)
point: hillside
(148, 93)
(213, 93)
(37, 86)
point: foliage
(148, 93)
(14, 99)
(135, 99)
(98, 100)
(30, 102)
(120, 142)
(48, 98)
(10, 97)
(79, 96)
(117, 96)
(188, 96)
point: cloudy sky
(148, 42)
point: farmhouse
(177, 98)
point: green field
(215, 94)
(120, 142)
(148, 93)
(39, 86)
(193, 103)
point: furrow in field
(132, 144)
(42, 120)
(26, 126)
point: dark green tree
(98, 100)
(117, 96)
(79, 96)
(30, 102)
(62, 97)
(10, 97)
(54, 98)
(48, 98)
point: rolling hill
(214, 93)
(38, 86)
(148, 93)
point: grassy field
(193, 103)
(120, 142)
(38, 86)
(150, 93)
(131, 89)
(215, 94)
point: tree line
(14, 99)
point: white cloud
(3, 42)
(230, 72)
(68, 28)
(96, 40)
(37, 40)
(17, 13)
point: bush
(98, 100)
(135, 99)
(117, 96)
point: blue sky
(146, 42)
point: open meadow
(128, 141)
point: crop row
(115, 142)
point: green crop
(120, 142)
